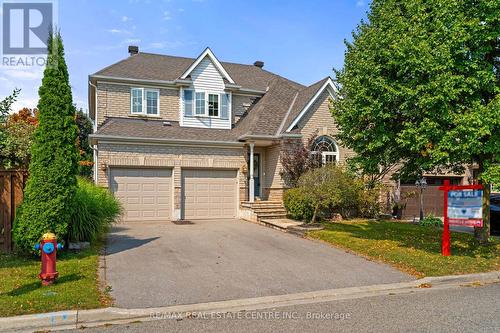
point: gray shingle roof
(275, 111)
(303, 98)
(153, 128)
(148, 66)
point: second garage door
(209, 194)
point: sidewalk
(77, 319)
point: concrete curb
(86, 318)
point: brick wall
(319, 118)
(175, 157)
(113, 100)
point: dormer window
(213, 105)
(145, 101)
(206, 104)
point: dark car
(495, 213)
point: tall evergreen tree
(50, 190)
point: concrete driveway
(161, 264)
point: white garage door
(146, 194)
(209, 194)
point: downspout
(94, 147)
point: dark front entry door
(256, 173)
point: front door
(256, 174)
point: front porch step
(270, 215)
(262, 204)
(270, 210)
(260, 210)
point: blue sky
(301, 40)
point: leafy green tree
(5, 108)
(50, 189)
(6, 104)
(85, 128)
(15, 152)
(419, 89)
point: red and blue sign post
(463, 207)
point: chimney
(259, 64)
(132, 49)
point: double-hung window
(145, 101)
(200, 104)
(206, 104)
(213, 105)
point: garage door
(209, 194)
(146, 194)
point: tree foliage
(5, 108)
(296, 159)
(419, 88)
(18, 138)
(50, 189)
(333, 189)
(85, 128)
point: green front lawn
(76, 288)
(412, 248)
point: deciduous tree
(419, 89)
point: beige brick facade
(320, 119)
(113, 100)
(173, 157)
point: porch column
(251, 186)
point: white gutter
(95, 105)
(127, 79)
(175, 83)
(269, 137)
(280, 129)
(96, 162)
(99, 137)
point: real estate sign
(465, 208)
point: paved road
(161, 264)
(463, 309)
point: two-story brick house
(174, 136)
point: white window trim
(144, 112)
(205, 114)
(324, 154)
(207, 94)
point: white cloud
(24, 74)
(126, 18)
(166, 15)
(130, 41)
(116, 31)
(360, 3)
(161, 45)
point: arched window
(325, 147)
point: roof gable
(326, 83)
(207, 53)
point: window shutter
(224, 110)
(188, 103)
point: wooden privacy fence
(433, 201)
(11, 194)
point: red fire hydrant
(49, 247)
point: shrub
(431, 221)
(50, 189)
(298, 205)
(330, 190)
(95, 210)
